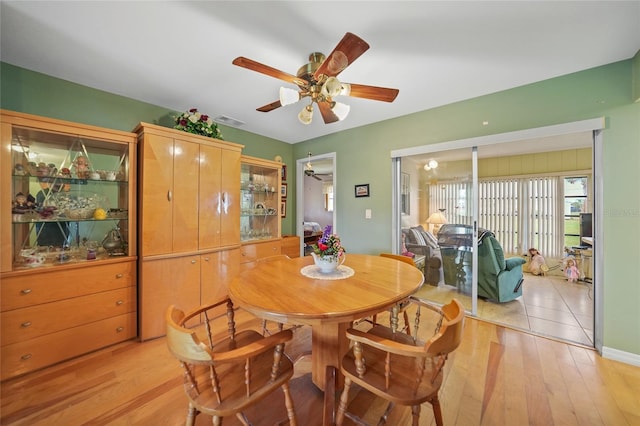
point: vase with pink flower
(328, 253)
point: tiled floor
(549, 306)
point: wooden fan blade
(372, 92)
(348, 50)
(252, 65)
(269, 107)
(327, 114)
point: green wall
(363, 156)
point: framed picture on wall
(283, 208)
(362, 190)
(283, 190)
(283, 172)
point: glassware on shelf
(68, 189)
(259, 201)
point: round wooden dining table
(364, 285)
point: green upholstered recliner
(499, 279)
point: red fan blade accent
(267, 70)
(374, 93)
(327, 115)
(269, 107)
(348, 50)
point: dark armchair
(499, 279)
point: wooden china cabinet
(68, 239)
(189, 227)
(260, 198)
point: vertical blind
(521, 212)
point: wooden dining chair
(399, 368)
(393, 315)
(226, 372)
(400, 257)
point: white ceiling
(178, 54)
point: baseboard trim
(617, 355)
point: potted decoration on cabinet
(197, 123)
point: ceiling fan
(317, 81)
(308, 170)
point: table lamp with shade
(437, 219)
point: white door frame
(300, 166)
(595, 125)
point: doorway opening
(524, 196)
(316, 197)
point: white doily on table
(312, 271)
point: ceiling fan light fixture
(332, 87)
(341, 110)
(345, 89)
(431, 164)
(308, 168)
(306, 114)
(288, 96)
(318, 81)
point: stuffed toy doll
(571, 271)
(537, 264)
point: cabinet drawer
(27, 323)
(33, 354)
(291, 246)
(253, 252)
(165, 282)
(31, 289)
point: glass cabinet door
(259, 199)
(70, 198)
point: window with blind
(522, 212)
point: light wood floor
(549, 306)
(498, 376)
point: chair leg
(192, 412)
(415, 412)
(407, 328)
(265, 328)
(437, 411)
(288, 402)
(240, 416)
(385, 415)
(344, 398)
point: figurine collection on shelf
(61, 220)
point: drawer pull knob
(25, 357)
(193, 261)
(26, 291)
(119, 275)
(120, 329)
(26, 324)
(119, 302)
(206, 259)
